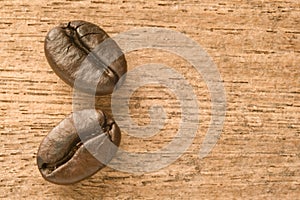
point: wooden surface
(256, 46)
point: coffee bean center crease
(76, 40)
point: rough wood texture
(256, 46)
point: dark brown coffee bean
(81, 51)
(78, 147)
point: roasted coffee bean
(85, 57)
(78, 147)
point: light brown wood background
(256, 46)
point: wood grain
(256, 46)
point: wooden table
(256, 47)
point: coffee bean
(78, 147)
(83, 52)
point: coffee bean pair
(85, 57)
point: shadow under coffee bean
(78, 147)
(83, 52)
